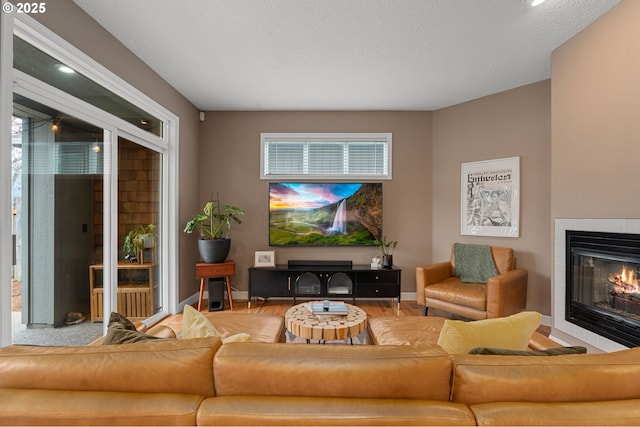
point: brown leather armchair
(438, 287)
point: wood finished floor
(381, 307)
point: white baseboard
(546, 320)
(408, 296)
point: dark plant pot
(214, 251)
(387, 261)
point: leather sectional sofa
(268, 328)
(423, 330)
(203, 382)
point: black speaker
(216, 294)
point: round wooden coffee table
(302, 323)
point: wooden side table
(210, 271)
(135, 298)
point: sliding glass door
(93, 184)
(61, 211)
(139, 229)
(57, 172)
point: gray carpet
(80, 334)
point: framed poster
(264, 259)
(490, 198)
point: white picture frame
(264, 259)
(490, 198)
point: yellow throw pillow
(196, 325)
(511, 332)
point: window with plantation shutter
(337, 156)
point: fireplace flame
(625, 282)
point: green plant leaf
(214, 220)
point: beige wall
(596, 119)
(507, 124)
(421, 203)
(595, 106)
(588, 170)
(71, 23)
(229, 165)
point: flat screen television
(324, 214)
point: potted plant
(386, 248)
(213, 223)
(137, 240)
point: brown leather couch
(438, 287)
(202, 382)
(150, 383)
(424, 330)
(262, 327)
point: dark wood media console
(323, 280)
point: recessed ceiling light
(535, 3)
(64, 69)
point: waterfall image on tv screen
(325, 214)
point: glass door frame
(167, 145)
(6, 244)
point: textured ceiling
(343, 54)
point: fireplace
(602, 289)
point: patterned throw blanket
(473, 263)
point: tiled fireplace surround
(559, 287)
